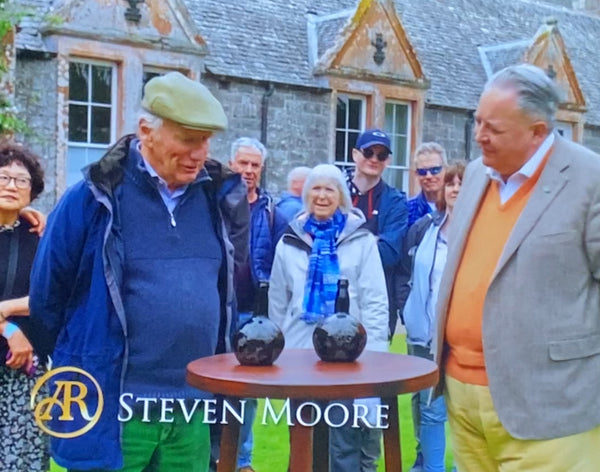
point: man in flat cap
(133, 280)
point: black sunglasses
(369, 153)
(432, 170)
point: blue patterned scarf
(323, 267)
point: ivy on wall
(10, 16)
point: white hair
(152, 121)
(431, 148)
(297, 173)
(248, 142)
(537, 94)
(330, 174)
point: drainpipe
(264, 121)
(469, 134)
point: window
(91, 114)
(150, 73)
(350, 119)
(397, 126)
(565, 129)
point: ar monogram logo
(70, 399)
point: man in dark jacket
(385, 210)
(134, 279)
(266, 227)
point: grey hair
(537, 94)
(152, 121)
(332, 174)
(297, 173)
(248, 142)
(433, 148)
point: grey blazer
(541, 316)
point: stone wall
(591, 138)
(298, 125)
(35, 98)
(447, 127)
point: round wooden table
(299, 374)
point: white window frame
(89, 103)
(393, 167)
(565, 129)
(346, 130)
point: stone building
(304, 76)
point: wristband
(9, 330)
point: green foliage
(10, 16)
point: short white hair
(152, 121)
(330, 174)
(297, 173)
(431, 148)
(248, 142)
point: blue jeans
(429, 420)
(246, 437)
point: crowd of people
(153, 260)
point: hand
(370, 404)
(21, 352)
(36, 218)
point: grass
(271, 441)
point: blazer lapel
(552, 180)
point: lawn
(271, 442)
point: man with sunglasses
(430, 162)
(386, 212)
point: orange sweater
(489, 232)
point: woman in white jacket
(323, 243)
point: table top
(299, 373)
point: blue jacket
(289, 205)
(392, 224)
(75, 292)
(267, 225)
(417, 207)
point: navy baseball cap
(371, 137)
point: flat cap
(185, 101)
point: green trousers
(165, 447)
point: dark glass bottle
(259, 341)
(342, 299)
(340, 337)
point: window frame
(393, 167)
(89, 103)
(346, 130)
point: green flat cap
(185, 101)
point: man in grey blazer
(519, 305)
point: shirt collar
(532, 163)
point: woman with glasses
(325, 242)
(427, 253)
(23, 444)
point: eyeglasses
(432, 170)
(369, 153)
(20, 182)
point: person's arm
(392, 229)
(372, 297)
(36, 218)
(14, 307)
(20, 353)
(57, 262)
(279, 292)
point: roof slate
(267, 40)
(29, 36)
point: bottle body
(259, 341)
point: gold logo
(68, 393)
